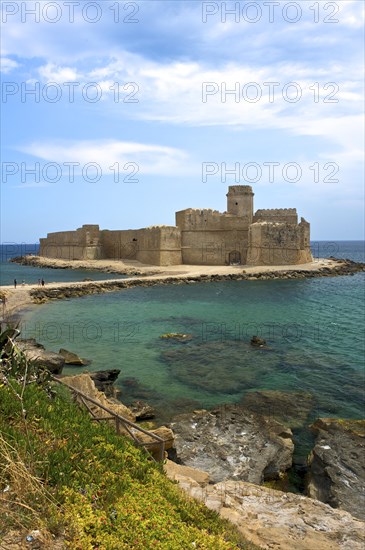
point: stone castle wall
(117, 245)
(278, 244)
(209, 237)
(82, 244)
(200, 237)
(214, 247)
(160, 245)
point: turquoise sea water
(313, 328)
(30, 275)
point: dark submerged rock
(257, 342)
(229, 366)
(177, 337)
(290, 408)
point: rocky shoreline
(49, 263)
(237, 445)
(25, 296)
(70, 290)
(337, 465)
(224, 455)
(136, 268)
(261, 447)
(251, 441)
(273, 519)
(232, 443)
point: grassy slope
(79, 481)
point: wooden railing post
(120, 421)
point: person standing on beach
(42, 282)
(15, 283)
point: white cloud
(55, 73)
(175, 29)
(149, 159)
(352, 13)
(329, 105)
(7, 65)
(170, 81)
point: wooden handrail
(118, 419)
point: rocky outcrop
(151, 444)
(273, 519)
(105, 379)
(85, 384)
(142, 410)
(72, 358)
(36, 353)
(337, 464)
(232, 443)
(177, 337)
(257, 342)
(177, 471)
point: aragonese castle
(200, 237)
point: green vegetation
(80, 484)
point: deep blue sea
(313, 327)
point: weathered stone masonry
(200, 237)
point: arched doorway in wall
(234, 258)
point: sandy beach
(132, 267)
(25, 296)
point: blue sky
(145, 108)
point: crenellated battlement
(158, 227)
(196, 219)
(200, 211)
(285, 215)
(240, 189)
(276, 211)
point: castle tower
(240, 201)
